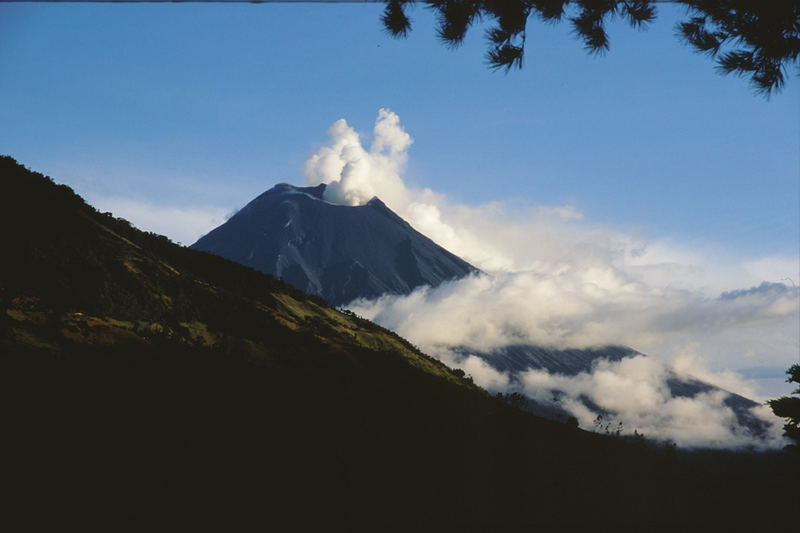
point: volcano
(338, 252)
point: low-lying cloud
(552, 278)
(570, 309)
(634, 396)
(636, 393)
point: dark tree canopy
(751, 38)
(788, 407)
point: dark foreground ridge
(147, 385)
(334, 251)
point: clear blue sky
(208, 105)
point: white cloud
(689, 362)
(634, 395)
(181, 224)
(355, 175)
(635, 391)
(571, 307)
(553, 278)
(484, 374)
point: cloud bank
(574, 309)
(636, 392)
(634, 396)
(553, 278)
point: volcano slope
(337, 252)
(145, 384)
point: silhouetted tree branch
(746, 37)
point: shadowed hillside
(149, 385)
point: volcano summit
(334, 251)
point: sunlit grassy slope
(144, 385)
(84, 278)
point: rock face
(337, 252)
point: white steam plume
(355, 175)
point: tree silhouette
(747, 38)
(788, 407)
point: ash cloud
(553, 278)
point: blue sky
(174, 115)
(211, 104)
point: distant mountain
(145, 383)
(521, 357)
(517, 358)
(334, 251)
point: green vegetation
(788, 407)
(146, 384)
